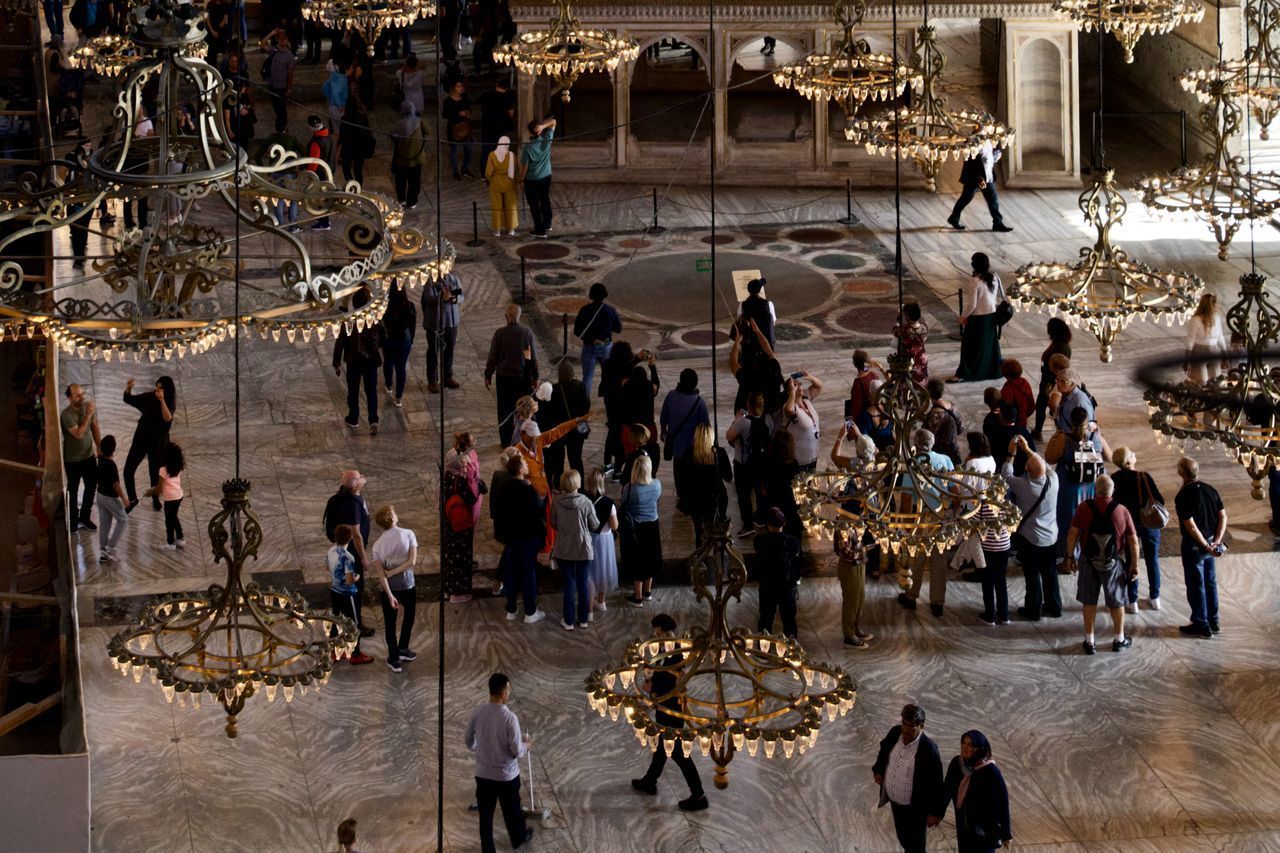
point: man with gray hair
(1036, 495)
(1102, 526)
(513, 360)
(1068, 394)
(922, 445)
(1203, 520)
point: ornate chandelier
(1129, 21)
(927, 131)
(162, 288)
(1105, 290)
(1237, 409)
(565, 50)
(1255, 79)
(1219, 191)
(233, 641)
(105, 55)
(369, 18)
(734, 688)
(908, 507)
(849, 73)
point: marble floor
(1172, 746)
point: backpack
(1100, 546)
(756, 441)
(1084, 463)
(266, 66)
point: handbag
(1153, 514)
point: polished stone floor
(1172, 746)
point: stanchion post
(475, 226)
(654, 227)
(564, 321)
(523, 275)
(849, 218)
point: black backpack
(757, 439)
(266, 65)
(1100, 545)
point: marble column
(621, 111)
(1040, 93)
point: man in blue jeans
(596, 324)
(1203, 519)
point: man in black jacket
(978, 175)
(909, 773)
(518, 514)
(348, 506)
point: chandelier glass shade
(1236, 410)
(734, 689)
(369, 18)
(1130, 20)
(849, 73)
(1105, 290)
(232, 642)
(105, 55)
(908, 507)
(162, 288)
(927, 130)
(565, 51)
(1220, 190)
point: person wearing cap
(532, 442)
(661, 685)
(756, 308)
(596, 324)
(777, 571)
(319, 147)
(513, 360)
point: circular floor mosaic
(796, 288)
(840, 262)
(544, 251)
(815, 236)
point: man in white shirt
(978, 175)
(908, 770)
(800, 418)
(493, 734)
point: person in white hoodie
(574, 519)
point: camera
(1219, 549)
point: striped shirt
(993, 541)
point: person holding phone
(801, 418)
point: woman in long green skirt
(980, 342)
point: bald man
(513, 361)
(80, 442)
(348, 506)
(1036, 538)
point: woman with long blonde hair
(1206, 341)
(707, 470)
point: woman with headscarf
(980, 340)
(150, 436)
(974, 783)
(463, 496)
(500, 172)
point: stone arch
(1040, 119)
(664, 92)
(758, 110)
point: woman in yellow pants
(500, 171)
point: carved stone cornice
(611, 13)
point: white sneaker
(168, 547)
(388, 389)
(591, 617)
(535, 617)
(568, 626)
(1155, 604)
(105, 556)
(511, 233)
(603, 607)
(497, 233)
(511, 617)
(1131, 608)
(181, 544)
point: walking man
(348, 506)
(1105, 527)
(661, 685)
(513, 360)
(596, 324)
(80, 448)
(908, 770)
(1203, 519)
(440, 320)
(493, 734)
(978, 175)
(1036, 537)
(535, 156)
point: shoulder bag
(1153, 514)
(1017, 532)
(1004, 311)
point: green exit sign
(702, 265)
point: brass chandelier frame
(849, 73)
(369, 18)
(736, 689)
(1255, 79)
(1105, 290)
(161, 290)
(928, 131)
(1129, 20)
(235, 640)
(565, 50)
(910, 508)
